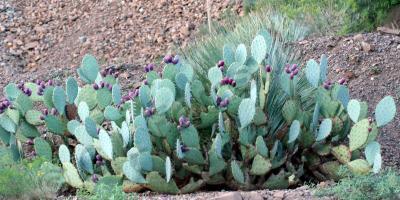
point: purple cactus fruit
(168, 59)
(21, 85)
(42, 117)
(98, 157)
(179, 127)
(50, 82)
(221, 63)
(103, 73)
(175, 60)
(369, 129)
(34, 153)
(181, 120)
(291, 76)
(2, 106)
(233, 83)
(218, 100)
(37, 82)
(370, 120)
(268, 68)
(109, 87)
(224, 103)
(53, 111)
(230, 81)
(99, 162)
(187, 123)
(28, 92)
(42, 85)
(95, 178)
(145, 82)
(327, 86)
(1, 111)
(342, 81)
(29, 141)
(116, 74)
(184, 148)
(146, 69)
(287, 70)
(153, 110)
(147, 113)
(293, 68)
(296, 71)
(95, 86)
(45, 111)
(222, 68)
(102, 84)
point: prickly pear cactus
(253, 124)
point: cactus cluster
(177, 134)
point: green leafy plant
(250, 123)
(384, 185)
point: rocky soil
(47, 39)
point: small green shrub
(36, 179)
(114, 192)
(385, 185)
(328, 16)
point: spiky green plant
(246, 125)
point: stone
(279, 194)
(358, 37)
(31, 45)
(254, 195)
(229, 196)
(366, 46)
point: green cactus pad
(259, 118)
(259, 49)
(215, 75)
(97, 116)
(71, 175)
(23, 103)
(72, 89)
(359, 167)
(385, 111)
(106, 144)
(241, 54)
(142, 140)
(117, 165)
(132, 174)
(168, 169)
(13, 115)
(192, 186)
(59, 99)
(82, 136)
(229, 54)
(261, 147)
(237, 173)
(163, 100)
(342, 153)
(371, 151)
(217, 164)
(169, 72)
(48, 97)
(33, 117)
(158, 165)
(260, 166)
(27, 130)
(354, 110)
(83, 160)
(4, 136)
(290, 110)
(87, 94)
(89, 69)
(181, 79)
(159, 126)
(63, 154)
(331, 170)
(194, 156)
(359, 134)
(246, 112)
(158, 184)
(324, 130)
(104, 98)
(91, 128)
(125, 134)
(42, 148)
(7, 123)
(112, 114)
(313, 73)
(55, 125)
(188, 95)
(190, 137)
(276, 182)
(146, 161)
(294, 131)
(11, 91)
